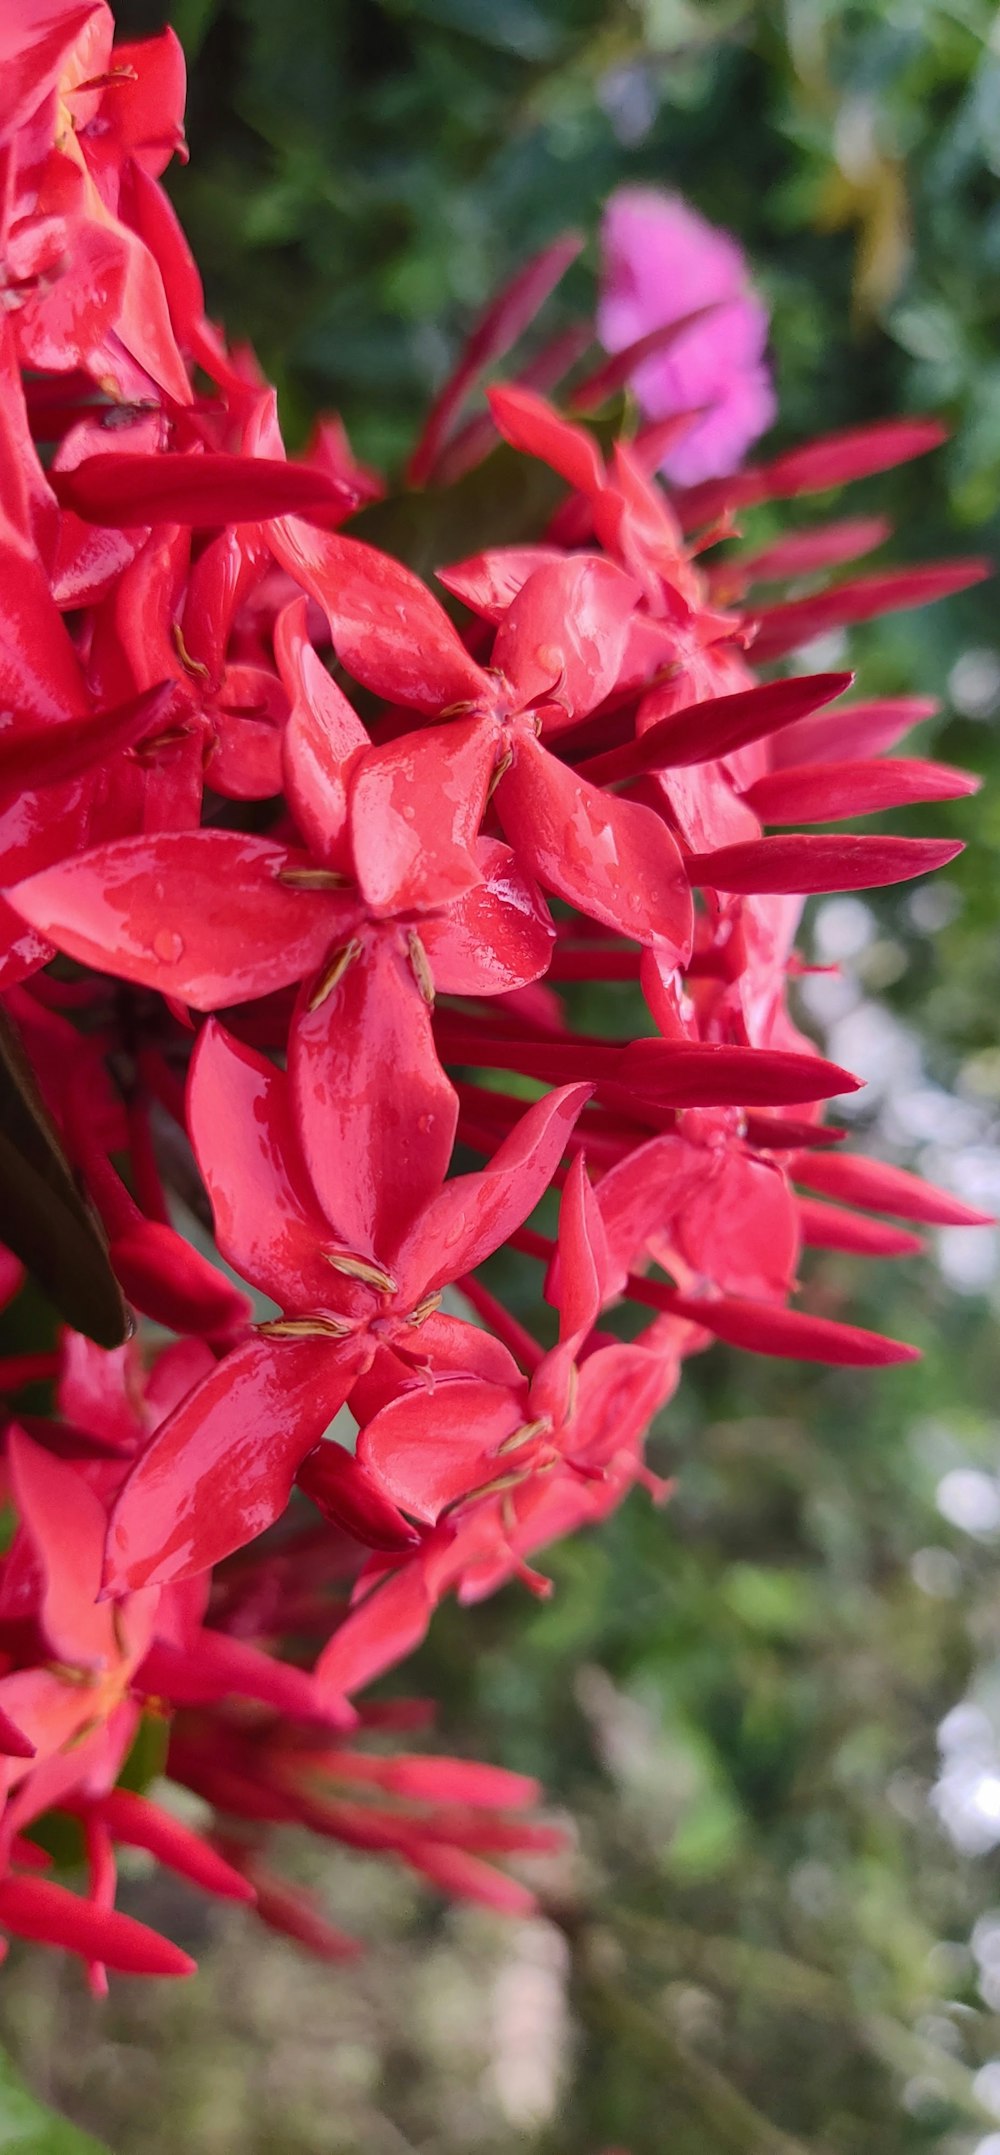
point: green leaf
(43, 1217)
(32, 2129)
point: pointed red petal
(614, 859)
(268, 1224)
(415, 809)
(221, 1467)
(488, 583)
(349, 1496)
(383, 1630)
(581, 1265)
(528, 423)
(833, 1227)
(322, 740)
(801, 553)
(854, 729)
(818, 863)
(835, 460)
(209, 489)
(387, 628)
(790, 1334)
(504, 321)
(375, 1112)
(199, 915)
(38, 1908)
(824, 792)
(474, 1214)
(137, 1822)
(702, 732)
(169, 1280)
(682, 1074)
(874, 1184)
(785, 628)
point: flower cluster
(252, 765)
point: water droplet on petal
(168, 945)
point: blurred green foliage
(765, 1928)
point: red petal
(199, 915)
(614, 859)
(35, 755)
(37, 1908)
(790, 1334)
(717, 727)
(819, 863)
(801, 553)
(429, 1448)
(873, 1183)
(383, 1630)
(493, 938)
(212, 488)
(387, 628)
(528, 423)
(857, 729)
(322, 740)
(350, 1498)
(835, 460)
(833, 1227)
(785, 628)
(66, 1523)
(679, 1074)
(132, 1819)
(474, 1214)
(220, 1468)
(268, 1224)
(489, 583)
(504, 321)
(824, 792)
(169, 1280)
(375, 1111)
(415, 810)
(581, 1263)
(562, 640)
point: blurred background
(769, 1714)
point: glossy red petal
(683, 1074)
(199, 915)
(431, 1447)
(882, 1188)
(818, 863)
(489, 583)
(34, 755)
(375, 1112)
(474, 1214)
(824, 792)
(221, 1467)
(581, 1266)
(386, 1627)
(169, 1280)
(415, 809)
(613, 858)
(563, 638)
(834, 460)
(340, 1486)
(213, 488)
(322, 740)
(387, 628)
(38, 1908)
(268, 1223)
(66, 1522)
(718, 726)
(493, 938)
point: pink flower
(662, 261)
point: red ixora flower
(575, 775)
